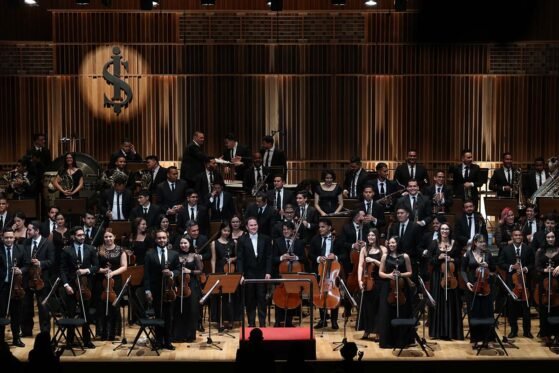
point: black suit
(201, 217)
(311, 216)
(362, 179)
(43, 155)
(409, 242)
(151, 217)
(193, 163)
(499, 180)
(430, 191)
(348, 237)
(461, 231)
(153, 278)
(45, 227)
(93, 231)
(531, 183)
(68, 267)
(422, 208)
(527, 230)
(278, 164)
(474, 176)
(506, 259)
(130, 157)
(17, 255)
(250, 179)
(168, 198)
(376, 210)
(288, 197)
(265, 220)
(243, 152)
(227, 210)
(8, 221)
(255, 267)
(45, 255)
(107, 199)
(201, 185)
(160, 177)
(390, 187)
(402, 174)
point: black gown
(482, 306)
(230, 304)
(371, 301)
(388, 337)
(445, 320)
(328, 199)
(76, 176)
(541, 263)
(108, 323)
(185, 323)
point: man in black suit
(274, 158)
(418, 205)
(116, 202)
(308, 216)
(410, 235)
(279, 195)
(10, 254)
(374, 212)
(38, 253)
(325, 247)
(237, 154)
(6, 219)
(254, 260)
(532, 225)
(147, 210)
(50, 224)
(90, 229)
(503, 178)
(194, 211)
(439, 194)
(469, 224)
(535, 178)
(288, 216)
(518, 258)
(256, 175)
(355, 179)
(383, 187)
(538, 239)
(171, 193)
(265, 214)
(286, 249)
(411, 170)
(161, 263)
(353, 237)
(193, 159)
(40, 151)
(78, 259)
(203, 182)
(221, 204)
(158, 173)
(467, 178)
(128, 151)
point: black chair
(63, 327)
(147, 327)
(407, 329)
(553, 322)
(487, 327)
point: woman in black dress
(547, 263)
(372, 252)
(69, 180)
(481, 306)
(140, 241)
(19, 227)
(328, 198)
(112, 263)
(60, 237)
(392, 265)
(445, 320)
(186, 311)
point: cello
(283, 299)
(328, 296)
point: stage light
(31, 2)
(276, 5)
(149, 4)
(370, 3)
(82, 2)
(400, 5)
(338, 2)
(207, 2)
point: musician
(256, 175)
(286, 248)
(9, 254)
(469, 224)
(323, 247)
(112, 264)
(193, 159)
(254, 260)
(425, 246)
(273, 158)
(220, 201)
(370, 254)
(161, 263)
(479, 306)
(237, 228)
(171, 193)
(355, 179)
(307, 214)
(23, 181)
(411, 170)
(60, 237)
(140, 240)
(266, 216)
(395, 264)
(409, 235)
(224, 258)
(19, 228)
(288, 216)
(504, 177)
(145, 209)
(46, 228)
(535, 178)
(547, 261)
(186, 318)
(279, 195)
(116, 202)
(127, 151)
(118, 171)
(513, 258)
(532, 224)
(353, 237)
(69, 180)
(158, 173)
(439, 194)
(78, 259)
(204, 181)
(418, 205)
(383, 187)
(39, 150)
(466, 178)
(6, 218)
(237, 154)
(538, 240)
(195, 211)
(38, 252)
(445, 322)
(164, 225)
(328, 198)
(374, 212)
(90, 229)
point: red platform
(281, 340)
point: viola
(482, 286)
(35, 275)
(548, 293)
(228, 267)
(169, 291)
(367, 276)
(519, 282)
(397, 295)
(83, 285)
(448, 279)
(184, 279)
(353, 277)
(108, 294)
(328, 295)
(18, 292)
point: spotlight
(82, 2)
(276, 5)
(31, 2)
(338, 2)
(149, 4)
(370, 3)
(207, 2)
(400, 5)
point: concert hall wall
(336, 81)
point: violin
(281, 297)
(108, 294)
(169, 293)
(519, 282)
(448, 279)
(185, 291)
(481, 285)
(548, 293)
(396, 295)
(35, 274)
(83, 285)
(18, 292)
(228, 267)
(352, 277)
(367, 276)
(328, 295)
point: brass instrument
(145, 178)
(66, 182)
(550, 187)
(15, 180)
(516, 189)
(110, 176)
(468, 192)
(437, 201)
(259, 185)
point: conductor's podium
(281, 340)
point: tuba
(550, 187)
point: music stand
(353, 303)
(123, 341)
(71, 206)
(231, 285)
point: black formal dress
(186, 321)
(230, 304)
(543, 257)
(328, 199)
(108, 316)
(368, 316)
(76, 176)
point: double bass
(281, 297)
